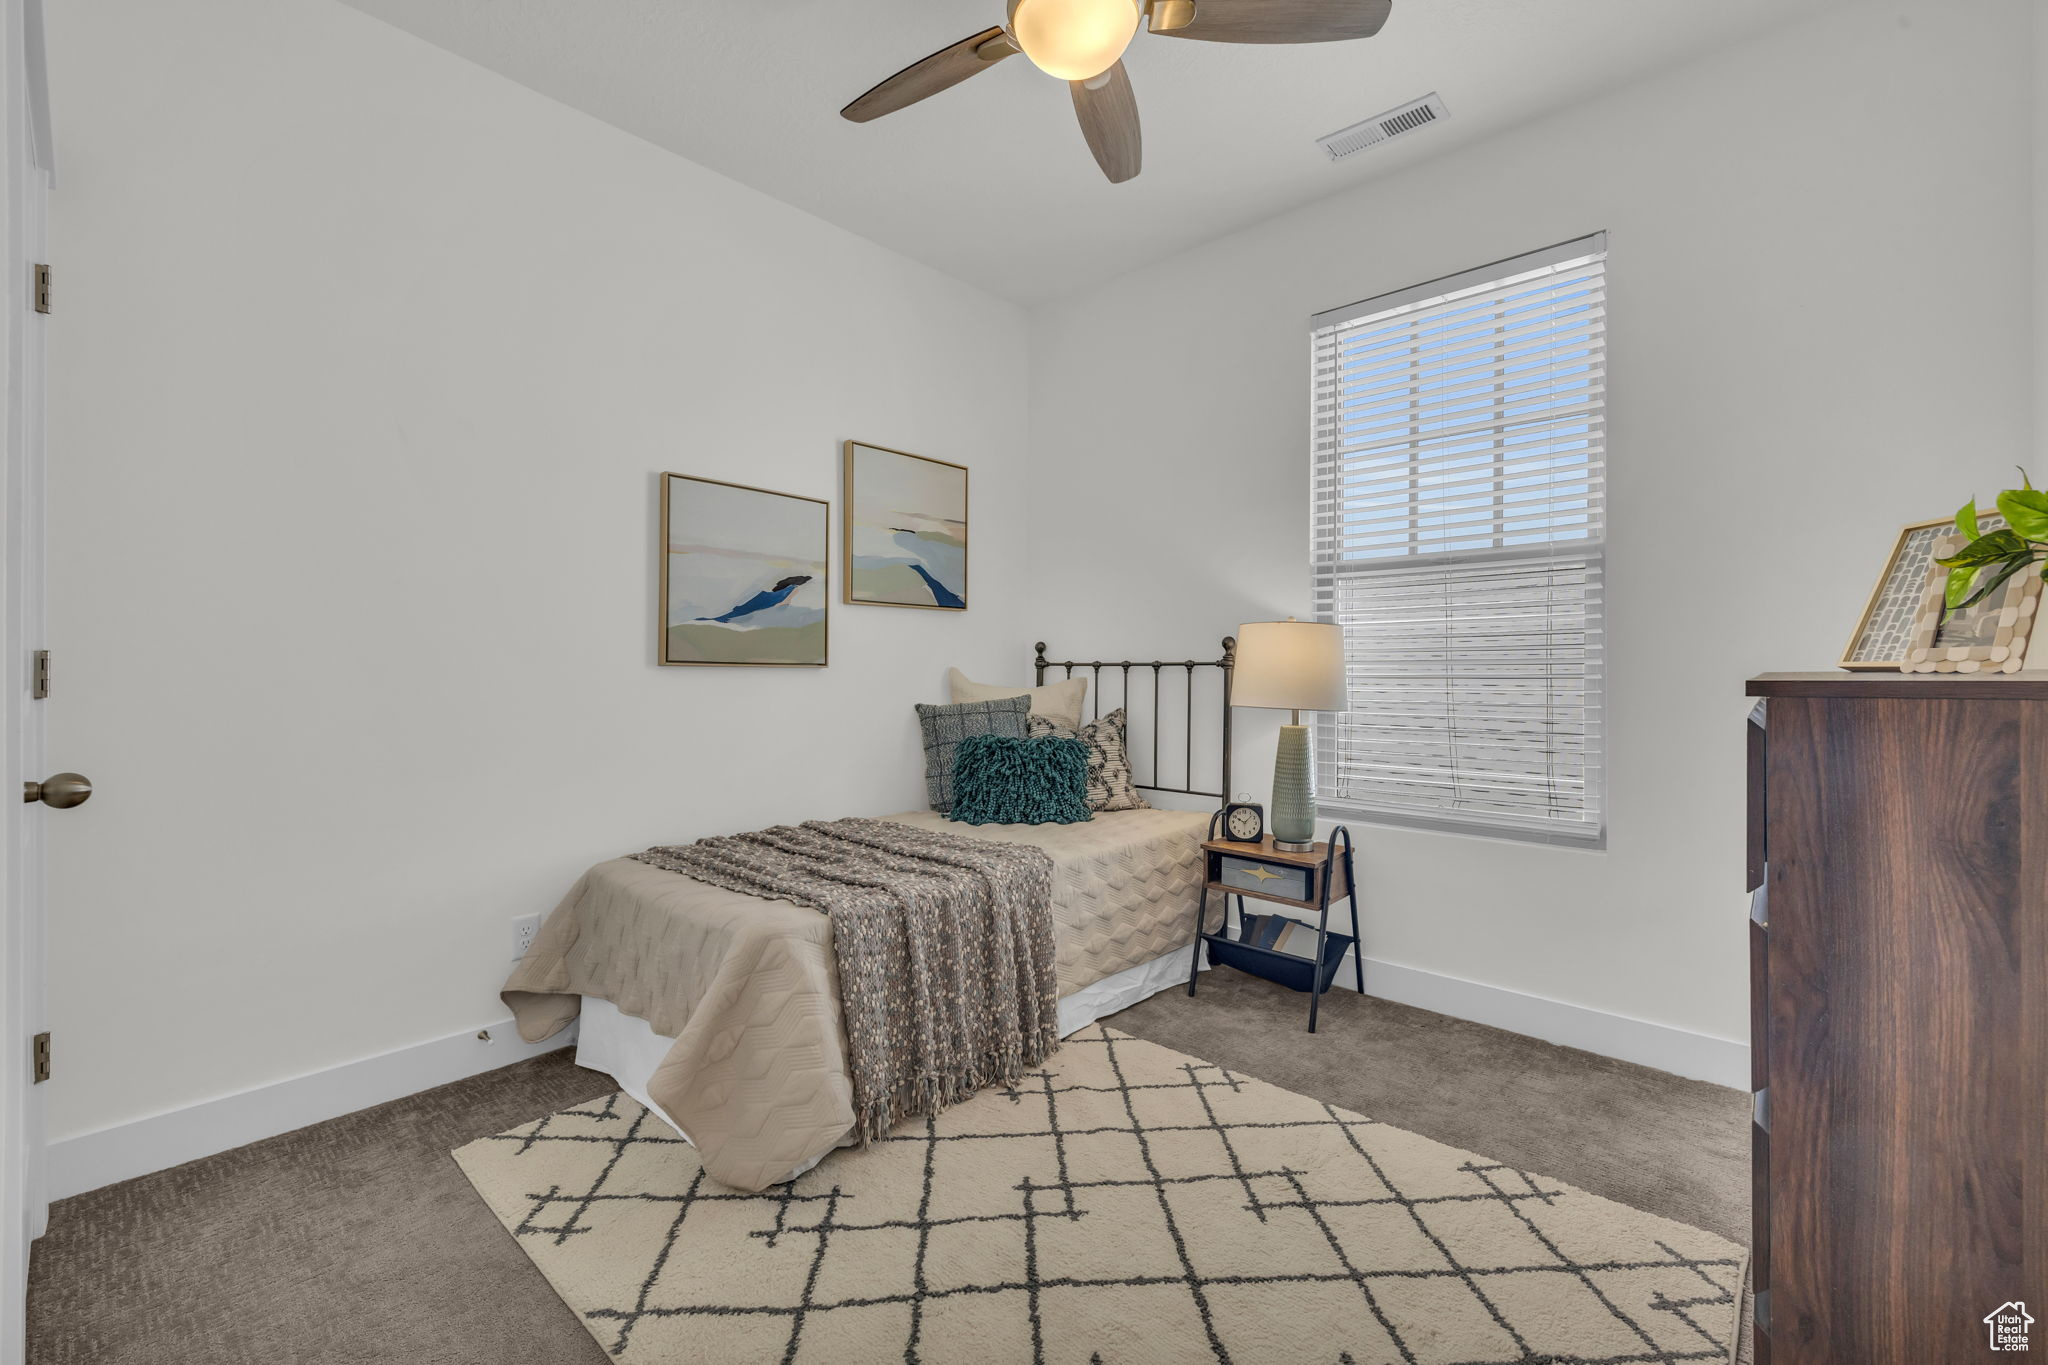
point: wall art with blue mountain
(906, 529)
(745, 575)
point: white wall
(359, 398)
(15, 1139)
(1819, 332)
(366, 364)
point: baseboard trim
(161, 1141)
(1697, 1055)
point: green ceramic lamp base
(1294, 793)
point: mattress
(1124, 884)
(748, 989)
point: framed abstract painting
(742, 575)
(905, 538)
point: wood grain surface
(1904, 686)
(942, 70)
(1109, 120)
(1284, 21)
(1903, 1026)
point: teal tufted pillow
(998, 780)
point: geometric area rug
(1124, 1204)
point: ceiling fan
(1082, 42)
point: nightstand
(1300, 881)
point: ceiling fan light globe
(1075, 40)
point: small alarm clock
(1244, 820)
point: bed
(719, 1011)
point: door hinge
(42, 1058)
(39, 688)
(42, 289)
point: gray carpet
(1644, 1138)
(360, 1240)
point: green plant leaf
(1959, 581)
(2025, 511)
(2025, 482)
(1987, 549)
(1966, 520)
(1996, 581)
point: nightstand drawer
(1265, 879)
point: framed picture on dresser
(1992, 636)
(1892, 617)
(905, 538)
(743, 577)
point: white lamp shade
(1289, 666)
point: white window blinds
(1458, 520)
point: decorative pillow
(1060, 701)
(1110, 785)
(944, 728)
(999, 781)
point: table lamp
(1291, 666)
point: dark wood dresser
(1898, 868)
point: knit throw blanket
(944, 944)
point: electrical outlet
(523, 930)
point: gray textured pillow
(1110, 784)
(944, 728)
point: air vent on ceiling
(1379, 128)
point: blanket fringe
(933, 1093)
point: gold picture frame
(878, 567)
(741, 557)
(1990, 637)
(1891, 618)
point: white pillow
(1060, 701)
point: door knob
(61, 792)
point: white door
(23, 1209)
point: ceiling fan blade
(942, 70)
(1109, 120)
(1282, 21)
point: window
(1458, 526)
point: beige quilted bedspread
(749, 989)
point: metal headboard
(1158, 667)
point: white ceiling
(990, 181)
